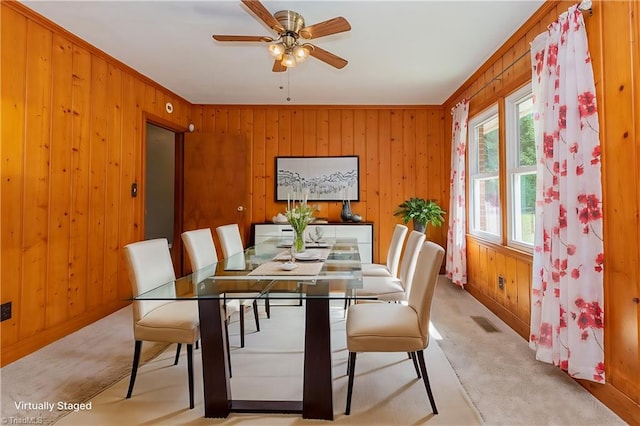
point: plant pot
(420, 227)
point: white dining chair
(396, 327)
(150, 266)
(231, 244)
(392, 289)
(390, 268)
(203, 258)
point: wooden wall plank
(112, 253)
(309, 133)
(297, 132)
(258, 161)
(270, 152)
(12, 66)
(60, 183)
(511, 288)
(78, 232)
(284, 133)
(129, 164)
(523, 283)
(322, 148)
(410, 186)
(438, 173)
(36, 192)
(360, 149)
(97, 185)
(372, 177)
(386, 202)
(346, 130)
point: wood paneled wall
(613, 31)
(72, 130)
(400, 150)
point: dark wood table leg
(317, 399)
(215, 365)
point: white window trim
(473, 174)
(512, 168)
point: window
(484, 167)
(521, 169)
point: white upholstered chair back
(409, 259)
(395, 249)
(150, 266)
(230, 239)
(200, 248)
(424, 283)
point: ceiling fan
(288, 47)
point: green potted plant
(422, 212)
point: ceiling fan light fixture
(301, 53)
(289, 60)
(276, 50)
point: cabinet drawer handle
(636, 300)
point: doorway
(163, 188)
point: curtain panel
(456, 263)
(567, 317)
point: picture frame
(317, 178)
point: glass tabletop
(329, 269)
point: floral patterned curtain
(456, 264)
(567, 317)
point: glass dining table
(327, 270)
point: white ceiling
(399, 52)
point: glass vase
(298, 245)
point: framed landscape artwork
(317, 178)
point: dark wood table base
(317, 397)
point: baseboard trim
(14, 352)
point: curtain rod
(584, 6)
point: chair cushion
(383, 327)
(174, 322)
(386, 288)
(375, 270)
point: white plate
(288, 266)
(306, 255)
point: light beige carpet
(72, 369)
(386, 390)
(500, 373)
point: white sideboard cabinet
(363, 232)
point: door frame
(177, 252)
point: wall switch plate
(500, 282)
(5, 311)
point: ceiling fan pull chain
(288, 86)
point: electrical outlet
(500, 282)
(5, 311)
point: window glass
(484, 162)
(521, 170)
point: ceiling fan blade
(278, 67)
(265, 16)
(332, 26)
(263, 39)
(328, 57)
